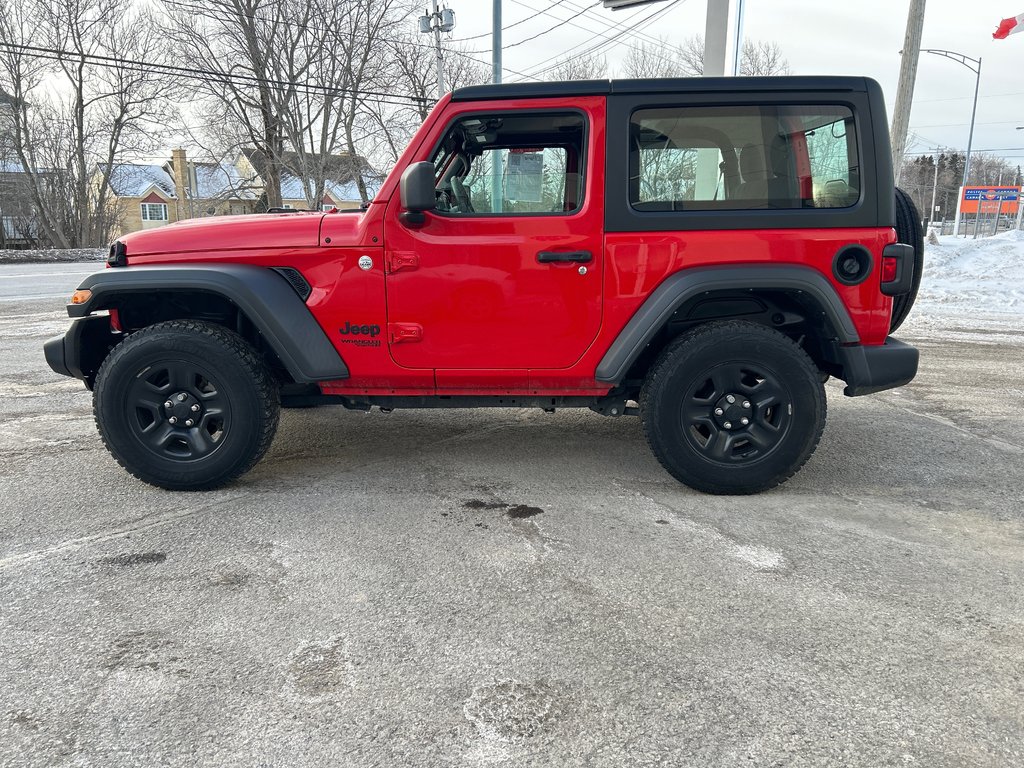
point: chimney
(179, 164)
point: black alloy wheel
(733, 408)
(178, 411)
(186, 405)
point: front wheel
(733, 408)
(185, 405)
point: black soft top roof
(663, 85)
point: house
(340, 187)
(19, 222)
(148, 196)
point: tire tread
(718, 333)
(253, 364)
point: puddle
(521, 512)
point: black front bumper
(79, 352)
(871, 369)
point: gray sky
(823, 37)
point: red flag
(1009, 27)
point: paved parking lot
(504, 588)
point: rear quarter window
(743, 157)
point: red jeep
(701, 252)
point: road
(505, 588)
(19, 282)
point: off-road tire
(223, 400)
(774, 385)
(908, 230)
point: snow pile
(53, 255)
(963, 275)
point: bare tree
(762, 58)
(661, 59)
(410, 85)
(585, 67)
(239, 42)
(293, 79)
(80, 103)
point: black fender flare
(682, 286)
(261, 294)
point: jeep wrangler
(703, 253)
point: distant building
(340, 189)
(148, 196)
(19, 222)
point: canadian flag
(1009, 27)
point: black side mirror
(417, 193)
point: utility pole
(722, 37)
(497, 167)
(905, 90)
(496, 43)
(439, 21)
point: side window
(511, 164)
(743, 157)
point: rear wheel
(185, 405)
(908, 230)
(733, 408)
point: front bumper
(871, 369)
(79, 352)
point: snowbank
(53, 255)
(963, 275)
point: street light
(976, 68)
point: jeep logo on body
(360, 330)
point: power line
(648, 45)
(539, 34)
(606, 44)
(226, 15)
(961, 98)
(607, 25)
(505, 28)
(204, 75)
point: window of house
(328, 207)
(743, 157)
(511, 164)
(154, 211)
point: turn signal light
(81, 296)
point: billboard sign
(990, 199)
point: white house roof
(291, 189)
(130, 180)
(221, 181)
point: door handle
(550, 257)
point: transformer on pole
(438, 21)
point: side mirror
(416, 189)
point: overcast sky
(818, 37)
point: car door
(505, 275)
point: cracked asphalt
(512, 588)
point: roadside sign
(990, 199)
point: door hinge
(399, 260)
(399, 333)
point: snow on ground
(976, 275)
(53, 255)
(972, 284)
